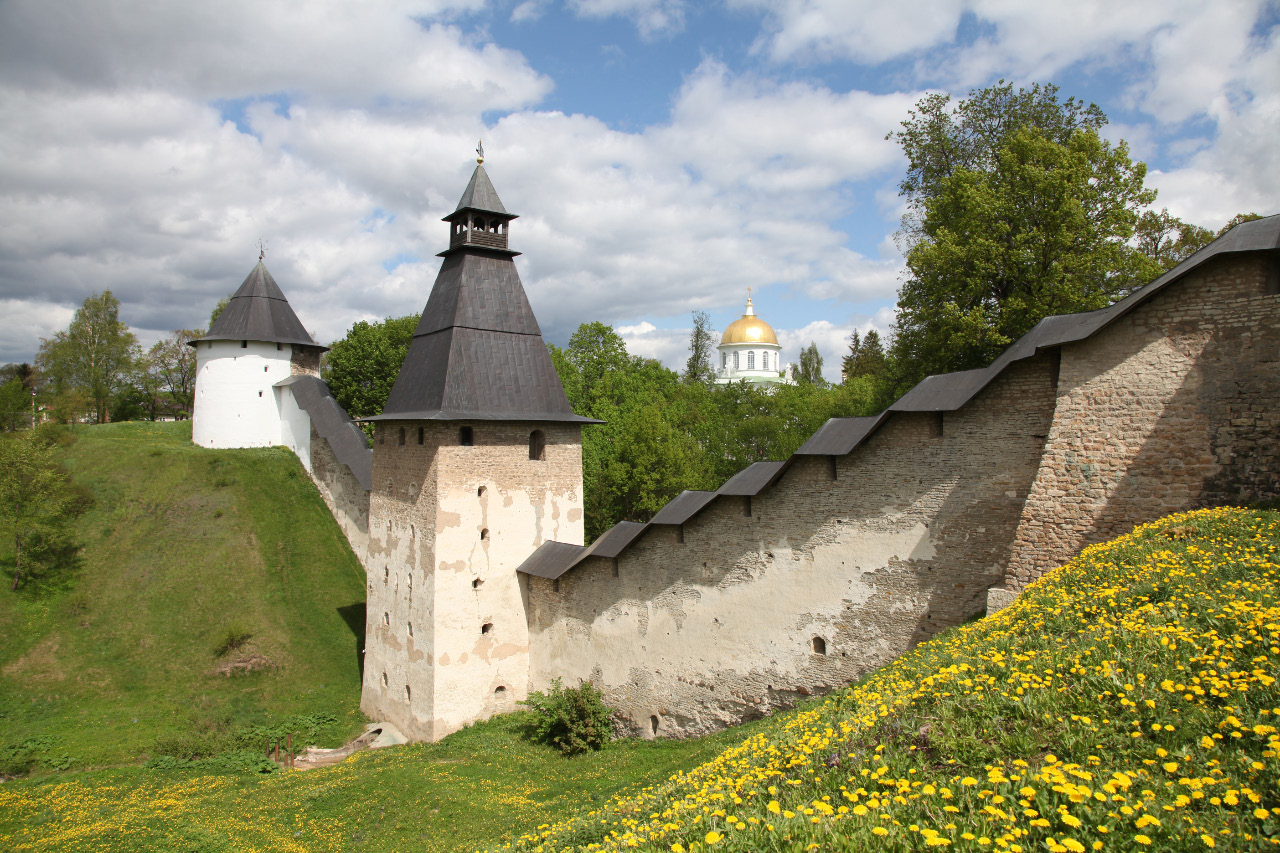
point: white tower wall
(235, 404)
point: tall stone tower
(477, 460)
(256, 342)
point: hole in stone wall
(422, 435)
(386, 618)
(386, 574)
(410, 629)
(832, 471)
(384, 679)
(466, 436)
(679, 534)
(244, 345)
(555, 585)
(408, 694)
(400, 440)
(537, 445)
(264, 368)
(935, 426)
(653, 723)
(259, 393)
(499, 689)
(486, 627)
(480, 492)
(1273, 277)
(475, 584)
(484, 534)
(615, 567)
(819, 646)
(746, 507)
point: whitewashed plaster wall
(235, 404)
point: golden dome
(749, 329)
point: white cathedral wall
(235, 403)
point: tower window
(537, 445)
(244, 345)
(751, 361)
(735, 361)
(279, 347)
(819, 646)
(466, 437)
(724, 360)
(764, 361)
(400, 440)
(935, 426)
(422, 434)
(264, 368)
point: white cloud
(652, 18)
(352, 53)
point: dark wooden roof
(946, 392)
(480, 195)
(478, 353)
(258, 311)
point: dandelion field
(1127, 701)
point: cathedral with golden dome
(750, 352)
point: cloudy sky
(663, 155)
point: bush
(233, 638)
(572, 719)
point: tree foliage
(1167, 240)
(362, 367)
(572, 719)
(93, 356)
(809, 369)
(1018, 209)
(37, 503)
(701, 343)
(15, 405)
(171, 366)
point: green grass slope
(183, 545)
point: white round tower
(256, 342)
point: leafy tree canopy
(1018, 210)
(701, 343)
(362, 367)
(809, 369)
(37, 503)
(93, 356)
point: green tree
(940, 140)
(866, 356)
(94, 355)
(701, 342)
(1167, 240)
(37, 502)
(362, 367)
(1238, 219)
(172, 365)
(809, 370)
(1042, 228)
(218, 309)
(15, 405)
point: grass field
(183, 544)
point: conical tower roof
(478, 353)
(480, 195)
(258, 311)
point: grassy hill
(183, 546)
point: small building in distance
(749, 352)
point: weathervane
(479, 152)
(262, 248)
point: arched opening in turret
(819, 646)
(751, 360)
(764, 361)
(537, 445)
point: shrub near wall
(1127, 701)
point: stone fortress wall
(846, 558)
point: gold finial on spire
(479, 152)
(750, 312)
